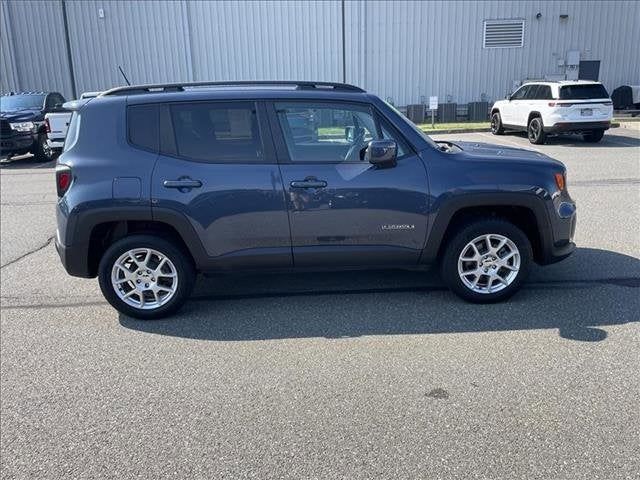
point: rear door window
(545, 93)
(217, 132)
(583, 92)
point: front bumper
(558, 242)
(575, 127)
(17, 143)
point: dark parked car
(22, 125)
(159, 182)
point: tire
(535, 131)
(144, 303)
(42, 151)
(489, 288)
(594, 136)
(496, 124)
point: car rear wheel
(496, 124)
(487, 261)
(535, 131)
(145, 277)
(593, 137)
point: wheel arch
(102, 229)
(533, 114)
(525, 211)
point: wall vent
(503, 33)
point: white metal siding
(403, 50)
(280, 40)
(38, 61)
(147, 39)
(408, 50)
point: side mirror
(508, 97)
(381, 153)
(349, 134)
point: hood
(23, 116)
(487, 151)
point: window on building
(503, 33)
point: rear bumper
(19, 143)
(73, 259)
(573, 127)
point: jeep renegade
(159, 182)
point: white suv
(543, 108)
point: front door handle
(181, 183)
(308, 184)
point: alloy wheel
(489, 263)
(144, 278)
(534, 129)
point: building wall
(33, 55)
(404, 51)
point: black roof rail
(180, 87)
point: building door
(589, 70)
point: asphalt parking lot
(349, 375)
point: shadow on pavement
(24, 162)
(575, 300)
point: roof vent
(503, 33)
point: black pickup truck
(22, 125)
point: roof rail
(180, 87)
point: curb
(476, 130)
(457, 130)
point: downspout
(67, 43)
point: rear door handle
(308, 184)
(181, 183)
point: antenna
(125, 77)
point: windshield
(12, 103)
(415, 128)
(583, 92)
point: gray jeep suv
(159, 182)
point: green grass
(453, 126)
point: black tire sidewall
(499, 128)
(41, 149)
(183, 264)
(449, 264)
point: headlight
(23, 126)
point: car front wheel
(487, 261)
(145, 277)
(496, 124)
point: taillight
(561, 181)
(47, 126)
(63, 179)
